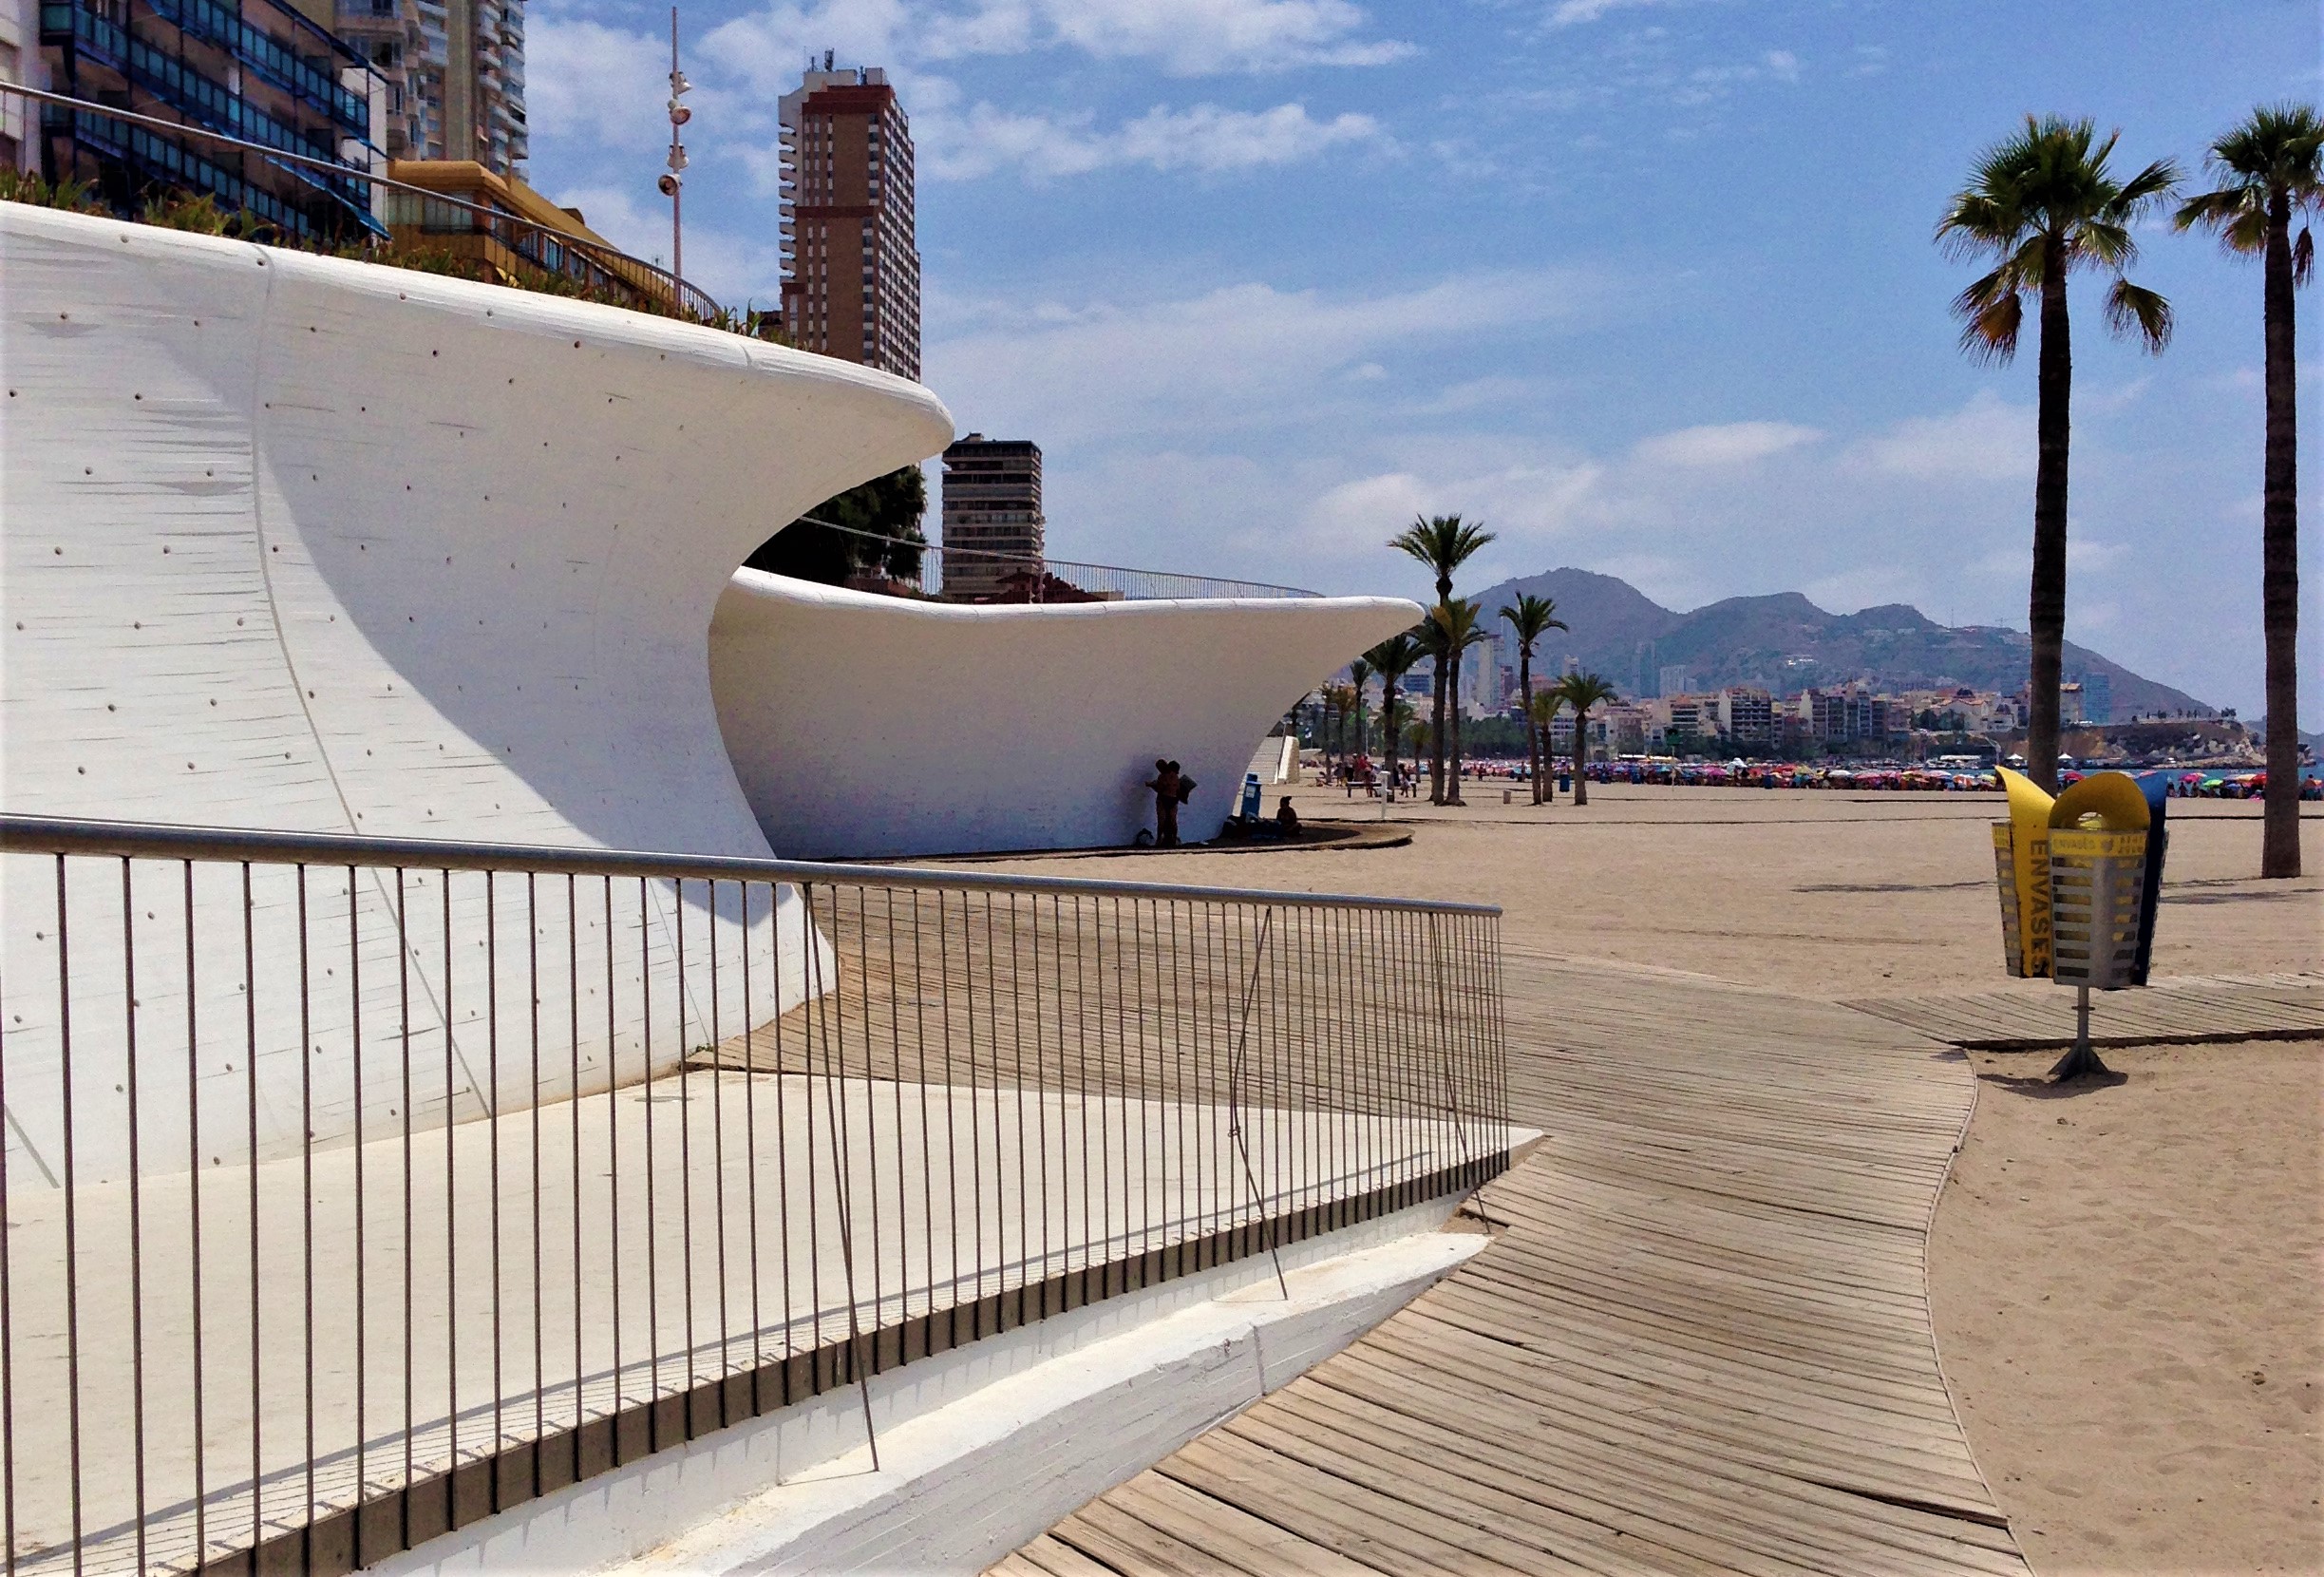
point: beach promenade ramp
(1699, 1342)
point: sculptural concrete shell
(313, 545)
(865, 726)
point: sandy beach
(2127, 1278)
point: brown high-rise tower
(852, 286)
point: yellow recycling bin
(2072, 878)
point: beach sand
(2104, 1288)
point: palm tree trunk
(2280, 838)
(1533, 731)
(1452, 724)
(1436, 737)
(2046, 603)
(1388, 725)
(1581, 755)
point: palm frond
(2134, 309)
(1991, 323)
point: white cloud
(1181, 37)
(594, 83)
(1246, 353)
(1571, 13)
(1984, 441)
(1732, 443)
(1205, 139)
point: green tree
(1444, 544)
(1457, 626)
(2040, 204)
(1392, 660)
(2269, 169)
(886, 506)
(1359, 674)
(1532, 618)
(1581, 692)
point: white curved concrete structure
(864, 725)
(304, 543)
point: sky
(1645, 286)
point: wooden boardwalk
(1700, 1342)
(2036, 1016)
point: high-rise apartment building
(992, 507)
(453, 73)
(852, 289)
(266, 72)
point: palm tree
(1444, 544)
(1459, 626)
(1581, 692)
(2269, 168)
(1542, 711)
(2040, 204)
(1392, 660)
(1532, 619)
(1359, 674)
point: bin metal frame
(2097, 899)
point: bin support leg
(2081, 1061)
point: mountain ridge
(1785, 643)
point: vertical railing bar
(451, 1196)
(783, 1122)
(308, 1052)
(653, 1234)
(1090, 1247)
(718, 1140)
(895, 1094)
(613, 1264)
(976, 1138)
(952, 1111)
(573, 1093)
(1016, 1101)
(249, 1070)
(363, 1304)
(193, 1155)
(532, 1025)
(871, 1100)
(8, 1329)
(751, 1117)
(684, 995)
(72, 1255)
(137, 1255)
(492, 1148)
(403, 971)
(919, 1068)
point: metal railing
(982, 575)
(356, 1188)
(556, 251)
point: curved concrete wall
(864, 725)
(298, 543)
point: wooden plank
(1700, 1340)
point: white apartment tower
(852, 284)
(455, 77)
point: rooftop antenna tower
(671, 184)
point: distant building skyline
(851, 286)
(454, 87)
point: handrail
(686, 296)
(26, 834)
(1045, 563)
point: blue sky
(1646, 285)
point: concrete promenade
(505, 1279)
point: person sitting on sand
(1286, 819)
